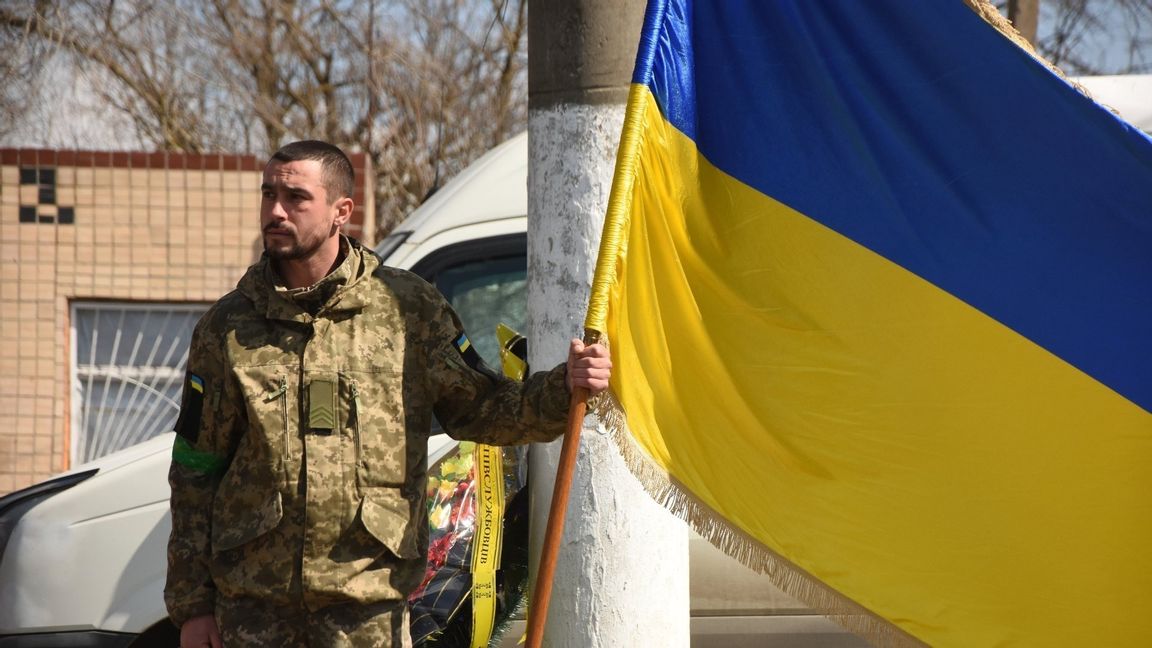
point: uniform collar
(339, 291)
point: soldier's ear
(344, 207)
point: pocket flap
(243, 519)
(386, 515)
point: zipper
(281, 393)
(355, 417)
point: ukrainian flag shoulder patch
(472, 357)
(463, 343)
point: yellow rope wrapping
(619, 206)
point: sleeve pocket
(386, 515)
(243, 521)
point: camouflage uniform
(250, 622)
(298, 473)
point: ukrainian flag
(879, 289)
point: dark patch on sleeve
(191, 409)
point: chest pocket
(268, 394)
(378, 425)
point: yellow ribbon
(486, 541)
(488, 536)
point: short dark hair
(335, 168)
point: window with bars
(128, 365)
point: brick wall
(109, 226)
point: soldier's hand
(200, 632)
(589, 366)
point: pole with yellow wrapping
(594, 324)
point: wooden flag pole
(542, 592)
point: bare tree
(1025, 15)
(421, 86)
(1084, 37)
(130, 45)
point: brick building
(106, 261)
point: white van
(83, 560)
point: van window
(487, 293)
(486, 282)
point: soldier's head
(306, 197)
(336, 169)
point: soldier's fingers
(594, 384)
(593, 351)
(600, 369)
(593, 361)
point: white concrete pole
(622, 574)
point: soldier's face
(295, 215)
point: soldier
(298, 471)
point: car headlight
(14, 505)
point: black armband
(191, 409)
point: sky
(1107, 48)
(71, 115)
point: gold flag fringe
(991, 15)
(721, 533)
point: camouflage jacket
(298, 471)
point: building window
(128, 371)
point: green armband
(187, 456)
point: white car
(83, 560)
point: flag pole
(542, 591)
(595, 323)
(578, 403)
